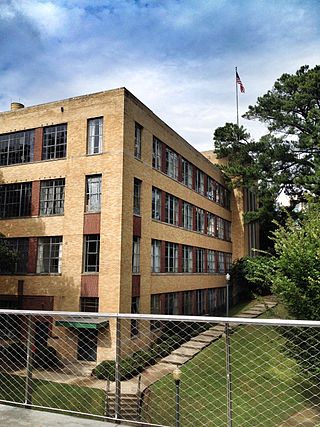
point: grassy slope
(266, 384)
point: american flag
(239, 82)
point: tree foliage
(287, 158)
(294, 275)
(8, 257)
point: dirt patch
(306, 418)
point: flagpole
(237, 96)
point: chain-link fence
(163, 370)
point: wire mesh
(121, 367)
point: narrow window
(91, 253)
(211, 261)
(228, 258)
(200, 302)
(49, 255)
(211, 224)
(17, 147)
(220, 228)
(137, 141)
(172, 162)
(187, 259)
(95, 136)
(171, 258)
(15, 200)
(52, 197)
(54, 142)
(172, 210)
(200, 260)
(171, 303)
(89, 304)
(156, 153)
(136, 255)
(211, 190)
(187, 173)
(187, 303)
(221, 265)
(187, 216)
(136, 196)
(155, 309)
(200, 220)
(135, 302)
(199, 181)
(93, 193)
(212, 300)
(156, 203)
(155, 256)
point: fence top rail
(163, 317)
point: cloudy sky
(177, 56)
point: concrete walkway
(21, 417)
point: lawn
(267, 386)
(55, 395)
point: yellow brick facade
(118, 166)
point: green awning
(82, 323)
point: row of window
(168, 257)
(196, 302)
(180, 169)
(15, 199)
(18, 147)
(49, 255)
(183, 214)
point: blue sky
(177, 56)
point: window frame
(155, 256)
(92, 267)
(51, 142)
(172, 210)
(137, 140)
(17, 147)
(95, 207)
(157, 153)
(54, 188)
(171, 257)
(187, 259)
(94, 148)
(55, 255)
(136, 254)
(137, 196)
(187, 215)
(156, 203)
(18, 195)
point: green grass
(54, 395)
(267, 386)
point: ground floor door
(87, 344)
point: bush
(15, 356)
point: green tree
(294, 275)
(286, 159)
(8, 257)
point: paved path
(20, 417)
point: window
(155, 309)
(187, 303)
(156, 203)
(136, 255)
(221, 267)
(135, 302)
(93, 193)
(15, 200)
(16, 148)
(211, 189)
(171, 258)
(172, 210)
(211, 224)
(171, 303)
(227, 230)
(21, 247)
(228, 200)
(200, 220)
(212, 300)
(187, 173)
(187, 265)
(156, 153)
(49, 255)
(89, 304)
(187, 216)
(137, 141)
(220, 228)
(91, 253)
(52, 197)
(54, 142)
(201, 302)
(172, 163)
(136, 196)
(211, 261)
(228, 259)
(199, 182)
(155, 256)
(200, 267)
(95, 135)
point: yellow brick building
(109, 209)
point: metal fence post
(28, 383)
(228, 371)
(117, 373)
